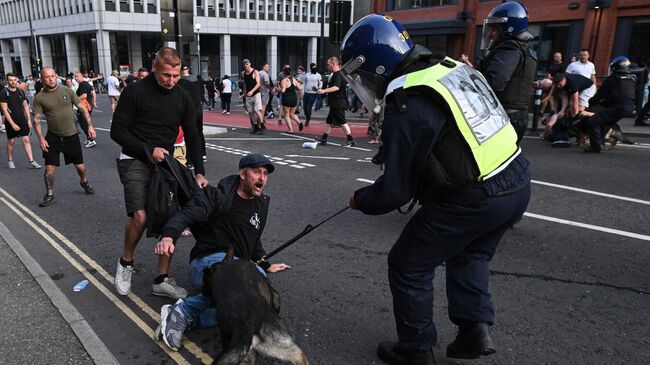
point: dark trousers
(308, 103)
(519, 121)
(211, 100)
(464, 232)
(605, 118)
(83, 123)
(319, 101)
(199, 127)
(225, 101)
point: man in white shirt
(113, 84)
(265, 83)
(587, 69)
(313, 82)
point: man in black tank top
(253, 97)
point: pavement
(54, 329)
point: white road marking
(193, 348)
(612, 196)
(102, 129)
(328, 143)
(571, 223)
(321, 157)
(276, 160)
(589, 226)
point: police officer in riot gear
(616, 97)
(509, 64)
(447, 143)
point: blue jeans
(199, 308)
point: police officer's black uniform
(459, 225)
(616, 96)
(509, 68)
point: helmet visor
(365, 88)
(489, 24)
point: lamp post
(197, 28)
(36, 57)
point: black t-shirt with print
(242, 226)
(14, 100)
(337, 99)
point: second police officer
(616, 97)
(509, 64)
(447, 143)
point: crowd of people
(576, 106)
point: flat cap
(185, 66)
(256, 160)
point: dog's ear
(275, 300)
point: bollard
(538, 104)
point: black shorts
(135, 176)
(11, 134)
(69, 146)
(336, 117)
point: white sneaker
(90, 144)
(11, 165)
(168, 288)
(123, 278)
(34, 165)
(227, 113)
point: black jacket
(409, 138)
(203, 210)
(148, 116)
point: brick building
(608, 28)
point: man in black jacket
(231, 215)
(145, 124)
(467, 205)
(509, 66)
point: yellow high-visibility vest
(476, 111)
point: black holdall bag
(172, 185)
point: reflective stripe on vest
(479, 116)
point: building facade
(608, 28)
(102, 35)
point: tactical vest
(517, 93)
(626, 86)
(479, 141)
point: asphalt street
(570, 282)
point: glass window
(415, 4)
(639, 50)
(549, 38)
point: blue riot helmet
(508, 19)
(370, 54)
(620, 64)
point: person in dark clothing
(616, 96)
(145, 124)
(510, 64)
(85, 94)
(232, 215)
(337, 101)
(466, 171)
(210, 89)
(194, 86)
(290, 87)
(556, 66)
(572, 88)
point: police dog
(247, 314)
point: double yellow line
(18, 208)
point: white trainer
(168, 288)
(123, 278)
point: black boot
(472, 341)
(391, 353)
